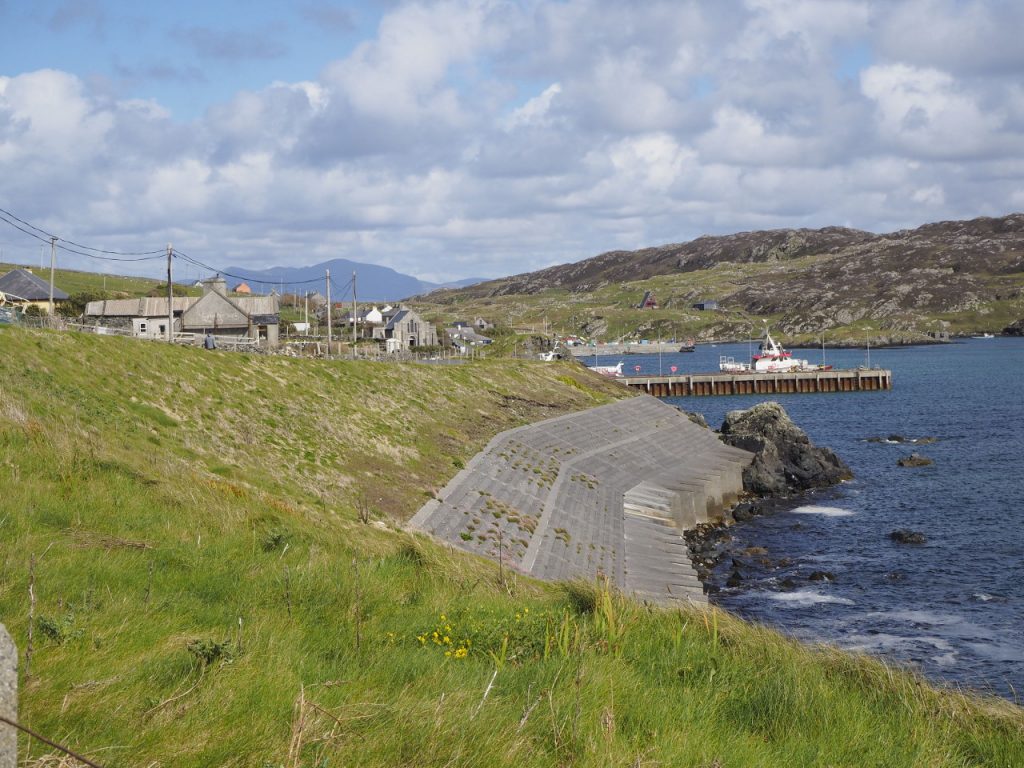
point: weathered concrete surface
(8, 699)
(605, 491)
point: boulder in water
(785, 461)
(907, 536)
(914, 460)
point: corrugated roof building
(255, 317)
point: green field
(220, 578)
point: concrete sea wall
(606, 491)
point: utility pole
(53, 265)
(170, 298)
(355, 316)
(328, 314)
(307, 312)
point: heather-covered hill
(967, 274)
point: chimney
(216, 284)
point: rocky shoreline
(786, 467)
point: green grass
(206, 594)
(75, 281)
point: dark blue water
(953, 607)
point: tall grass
(206, 594)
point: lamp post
(867, 344)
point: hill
(373, 283)
(219, 578)
(966, 274)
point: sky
(482, 138)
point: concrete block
(8, 699)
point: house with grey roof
(252, 317)
(25, 289)
(405, 330)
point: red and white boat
(770, 358)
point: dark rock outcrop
(1015, 329)
(785, 461)
(907, 536)
(914, 460)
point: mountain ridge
(373, 282)
(812, 279)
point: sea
(951, 608)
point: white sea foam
(807, 597)
(814, 509)
(930, 618)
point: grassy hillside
(73, 281)
(207, 594)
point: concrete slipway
(604, 491)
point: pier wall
(799, 382)
(605, 491)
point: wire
(46, 741)
(22, 229)
(198, 263)
(37, 229)
(110, 258)
(53, 238)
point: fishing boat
(614, 371)
(770, 358)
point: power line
(37, 229)
(198, 263)
(160, 254)
(6, 217)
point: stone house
(405, 330)
(252, 317)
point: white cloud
(494, 136)
(926, 113)
(534, 111)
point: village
(236, 318)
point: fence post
(8, 699)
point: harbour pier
(752, 383)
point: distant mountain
(373, 283)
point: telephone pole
(170, 297)
(355, 315)
(53, 265)
(328, 280)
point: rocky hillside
(809, 280)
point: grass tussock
(255, 617)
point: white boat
(608, 370)
(770, 358)
(985, 336)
